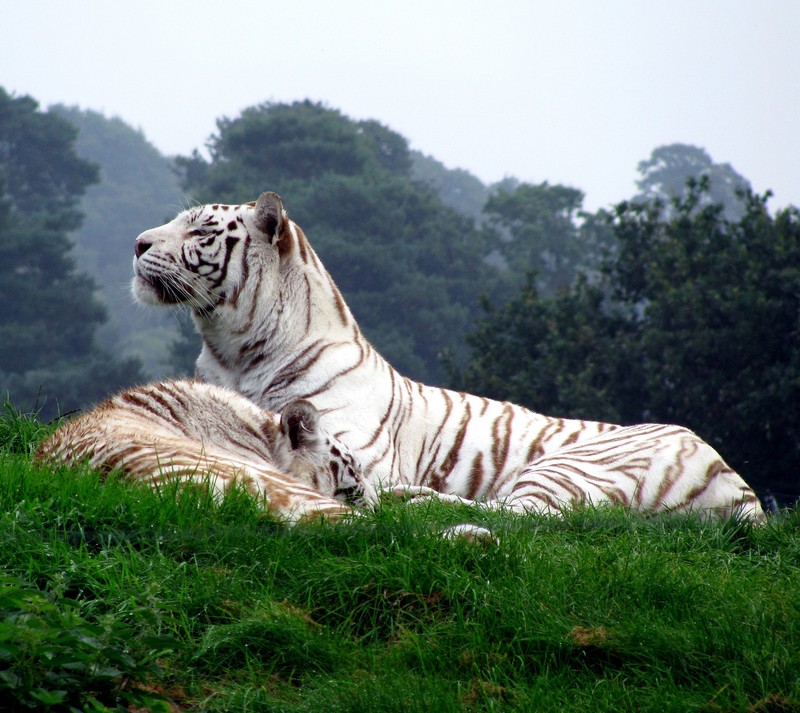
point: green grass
(113, 597)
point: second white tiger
(199, 433)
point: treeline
(691, 318)
(48, 355)
(681, 304)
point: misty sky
(563, 91)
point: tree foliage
(50, 312)
(694, 320)
(543, 234)
(549, 354)
(456, 187)
(665, 174)
(138, 188)
(410, 267)
(39, 167)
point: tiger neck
(278, 343)
(294, 338)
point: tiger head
(200, 258)
(320, 460)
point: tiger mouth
(166, 290)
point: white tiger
(276, 328)
(200, 433)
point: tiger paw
(470, 533)
(413, 492)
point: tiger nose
(141, 246)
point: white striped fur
(276, 329)
(199, 433)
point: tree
(695, 320)
(665, 174)
(138, 189)
(543, 235)
(551, 354)
(47, 327)
(720, 329)
(40, 169)
(457, 188)
(410, 267)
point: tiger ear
(300, 424)
(270, 217)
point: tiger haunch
(276, 329)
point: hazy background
(569, 92)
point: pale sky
(566, 91)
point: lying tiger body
(276, 329)
(199, 433)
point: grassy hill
(113, 597)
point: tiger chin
(276, 329)
(188, 432)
